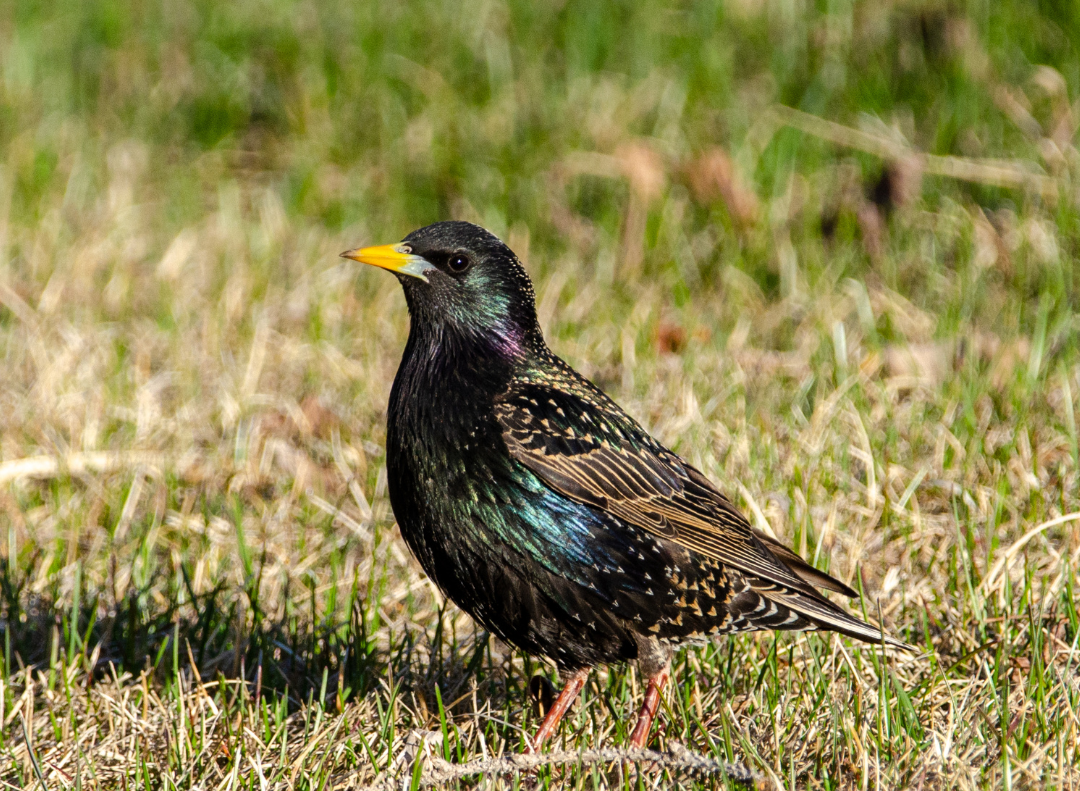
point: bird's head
(462, 279)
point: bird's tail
(823, 614)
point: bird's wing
(806, 572)
(583, 445)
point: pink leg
(561, 706)
(649, 708)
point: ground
(825, 251)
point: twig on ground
(678, 758)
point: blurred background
(824, 250)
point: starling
(547, 513)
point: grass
(202, 585)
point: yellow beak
(395, 257)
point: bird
(546, 512)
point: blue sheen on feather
(561, 535)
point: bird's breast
(446, 460)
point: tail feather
(827, 616)
(808, 609)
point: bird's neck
(477, 359)
(447, 372)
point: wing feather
(611, 463)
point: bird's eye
(458, 263)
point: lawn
(826, 251)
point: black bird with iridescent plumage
(546, 512)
